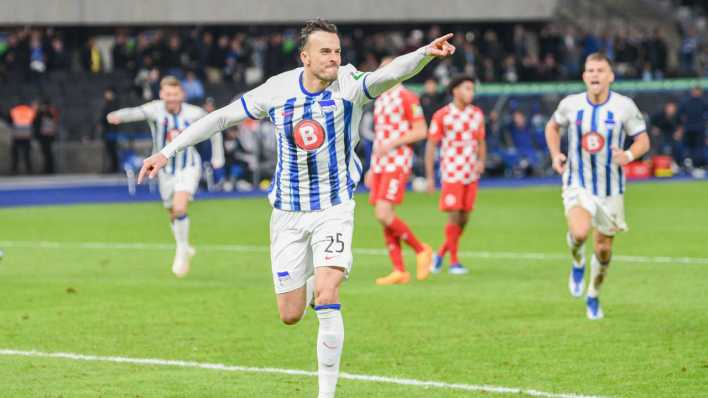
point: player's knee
(290, 318)
(579, 234)
(603, 250)
(179, 211)
(384, 214)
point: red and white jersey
(460, 131)
(395, 111)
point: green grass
(511, 322)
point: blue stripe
(312, 163)
(282, 274)
(328, 307)
(173, 161)
(182, 217)
(333, 167)
(245, 108)
(279, 169)
(366, 90)
(579, 128)
(348, 144)
(289, 110)
(621, 171)
(593, 157)
(327, 95)
(608, 162)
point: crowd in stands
(242, 57)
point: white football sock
(330, 340)
(598, 272)
(576, 249)
(180, 229)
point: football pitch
(89, 307)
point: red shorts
(458, 196)
(388, 186)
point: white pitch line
(293, 372)
(361, 251)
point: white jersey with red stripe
(395, 111)
(593, 130)
(460, 131)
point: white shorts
(301, 241)
(185, 180)
(607, 213)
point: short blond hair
(598, 56)
(170, 81)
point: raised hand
(440, 47)
(559, 163)
(151, 166)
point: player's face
(464, 92)
(322, 55)
(597, 76)
(173, 97)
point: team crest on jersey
(328, 105)
(283, 277)
(309, 135)
(610, 124)
(593, 142)
(171, 135)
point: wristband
(629, 155)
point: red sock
(393, 245)
(404, 233)
(453, 232)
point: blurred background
(65, 64)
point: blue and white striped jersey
(166, 126)
(316, 134)
(593, 130)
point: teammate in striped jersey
(179, 179)
(316, 111)
(398, 122)
(597, 123)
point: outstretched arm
(127, 115)
(406, 66)
(202, 129)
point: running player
(179, 179)
(398, 122)
(460, 127)
(316, 111)
(597, 122)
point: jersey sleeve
(351, 82)
(148, 111)
(560, 116)
(435, 131)
(256, 102)
(634, 122)
(411, 107)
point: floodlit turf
(511, 322)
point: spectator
(45, 128)
(121, 53)
(20, 119)
(59, 58)
(667, 132)
(694, 113)
(527, 158)
(38, 57)
(193, 88)
(431, 99)
(107, 130)
(91, 58)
